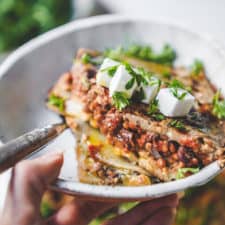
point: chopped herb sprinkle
(177, 124)
(120, 100)
(197, 67)
(153, 111)
(56, 101)
(218, 106)
(110, 70)
(86, 58)
(179, 96)
(182, 172)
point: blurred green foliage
(21, 20)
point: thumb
(29, 181)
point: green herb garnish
(179, 96)
(175, 84)
(153, 107)
(56, 101)
(120, 100)
(182, 171)
(114, 53)
(130, 83)
(158, 116)
(133, 73)
(110, 70)
(177, 124)
(197, 67)
(86, 58)
(153, 111)
(218, 106)
(145, 52)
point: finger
(79, 212)
(143, 210)
(163, 216)
(28, 182)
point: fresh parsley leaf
(110, 70)
(218, 106)
(145, 76)
(182, 172)
(154, 81)
(145, 52)
(158, 116)
(153, 111)
(153, 107)
(166, 75)
(86, 58)
(177, 124)
(120, 100)
(179, 96)
(114, 53)
(133, 73)
(197, 67)
(176, 84)
(56, 101)
(130, 83)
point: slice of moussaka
(139, 119)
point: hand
(29, 181)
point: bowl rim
(116, 192)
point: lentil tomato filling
(134, 143)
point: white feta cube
(171, 106)
(103, 78)
(120, 80)
(150, 90)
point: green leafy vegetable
(56, 101)
(175, 84)
(182, 172)
(175, 92)
(133, 73)
(166, 56)
(218, 106)
(153, 107)
(197, 67)
(110, 70)
(46, 210)
(158, 116)
(153, 111)
(86, 58)
(145, 52)
(130, 83)
(114, 53)
(178, 125)
(120, 100)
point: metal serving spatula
(17, 149)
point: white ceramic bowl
(28, 73)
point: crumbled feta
(170, 105)
(150, 90)
(120, 80)
(103, 78)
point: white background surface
(206, 16)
